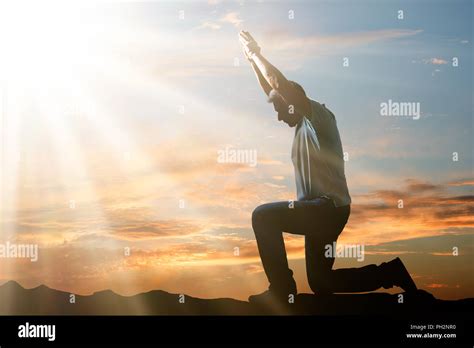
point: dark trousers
(321, 223)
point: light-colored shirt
(318, 157)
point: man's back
(318, 157)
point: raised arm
(275, 79)
(261, 80)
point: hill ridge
(43, 300)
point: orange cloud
(464, 182)
(435, 61)
(437, 286)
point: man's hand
(250, 48)
(247, 54)
(249, 44)
(271, 78)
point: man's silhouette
(323, 204)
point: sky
(114, 115)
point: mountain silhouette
(16, 300)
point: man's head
(283, 109)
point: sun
(45, 43)
(49, 51)
(55, 58)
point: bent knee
(261, 214)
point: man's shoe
(273, 294)
(398, 274)
(270, 296)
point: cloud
(270, 184)
(436, 286)
(284, 41)
(140, 230)
(232, 18)
(428, 210)
(435, 61)
(209, 25)
(416, 186)
(269, 162)
(293, 50)
(440, 245)
(463, 182)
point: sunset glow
(113, 115)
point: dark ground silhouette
(16, 300)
